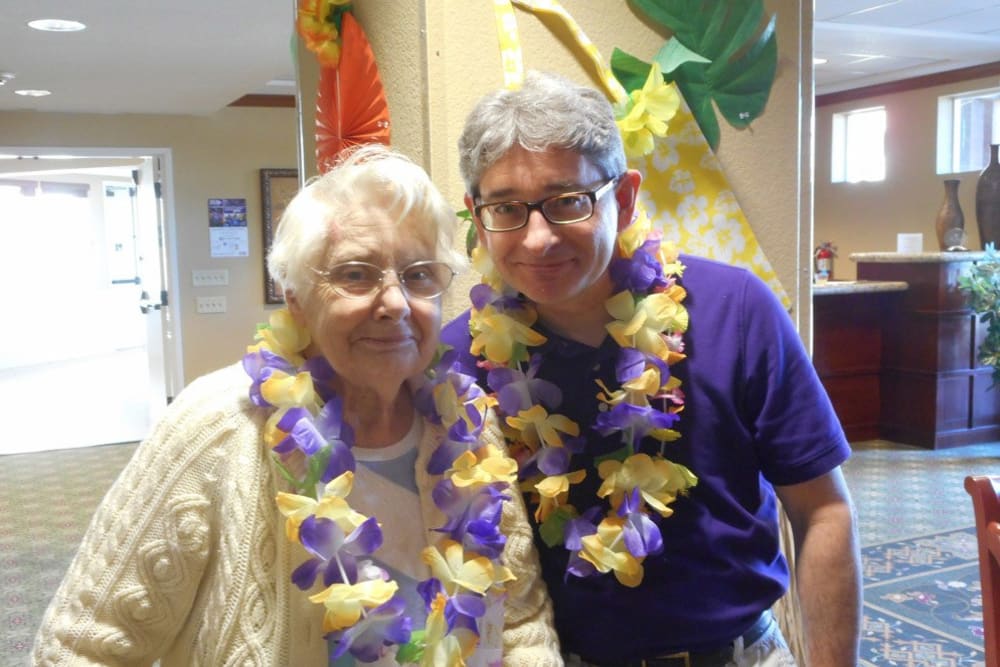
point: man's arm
(828, 568)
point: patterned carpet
(46, 501)
(922, 599)
(923, 606)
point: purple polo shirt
(755, 415)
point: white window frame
(847, 165)
(949, 139)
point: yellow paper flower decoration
(646, 112)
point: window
(967, 124)
(859, 146)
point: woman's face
(378, 341)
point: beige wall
(865, 217)
(213, 156)
(436, 57)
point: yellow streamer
(510, 45)
(614, 90)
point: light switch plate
(209, 277)
(211, 304)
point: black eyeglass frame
(539, 205)
(380, 285)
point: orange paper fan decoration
(351, 108)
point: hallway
(94, 400)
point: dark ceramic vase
(988, 201)
(949, 215)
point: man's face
(561, 266)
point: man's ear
(470, 204)
(627, 194)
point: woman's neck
(378, 421)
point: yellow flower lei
(635, 484)
(311, 448)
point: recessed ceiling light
(27, 92)
(56, 25)
(819, 61)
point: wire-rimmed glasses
(561, 209)
(357, 280)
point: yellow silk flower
(538, 427)
(497, 333)
(289, 391)
(658, 480)
(632, 237)
(553, 492)
(333, 505)
(646, 112)
(639, 325)
(492, 466)
(451, 407)
(443, 648)
(345, 602)
(606, 551)
(483, 264)
(283, 337)
(455, 572)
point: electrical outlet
(211, 304)
(209, 277)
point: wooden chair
(985, 492)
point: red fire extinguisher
(824, 255)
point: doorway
(89, 354)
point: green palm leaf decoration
(724, 51)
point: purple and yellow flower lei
(311, 444)
(649, 320)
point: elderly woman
(298, 509)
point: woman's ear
(295, 307)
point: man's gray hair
(548, 111)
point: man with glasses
(550, 193)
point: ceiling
(146, 56)
(195, 57)
(867, 42)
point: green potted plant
(981, 286)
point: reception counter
(897, 352)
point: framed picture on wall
(277, 187)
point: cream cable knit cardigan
(186, 560)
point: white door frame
(172, 343)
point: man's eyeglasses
(357, 280)
(562, 209)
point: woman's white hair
(370, 176)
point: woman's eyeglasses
(561, 209)
(356, 280)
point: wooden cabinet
(933, 392)
(847, 353)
